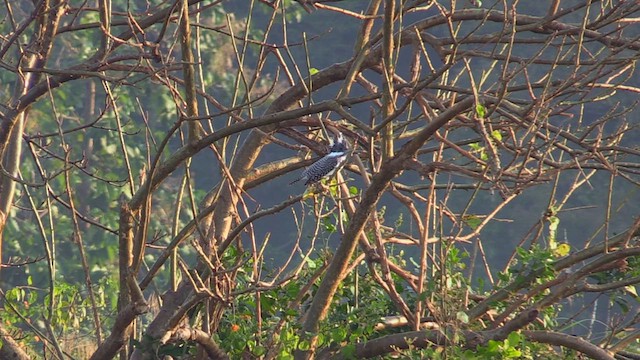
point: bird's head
(339, 144)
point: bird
(327, 165)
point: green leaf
(353, 190)
(329, 226)
(259, 350)
(333, 186)
(345, 216)
(310, 263)
(308, 193)
(481, 111)
(514, 338)
(512, 353)
(622, 303)
(313, 71)
(462, 317)
(477, 148)
(472, 221)
(493, 346)
(631, 290)
(497, 135)
(293, 288)
(349, 351)
(303, 345)
(562, 250)
(470, 355)
(338, 334)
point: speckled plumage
(327, 165)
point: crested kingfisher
(327, 165)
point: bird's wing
(320, 165)
(320, 168)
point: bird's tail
(295, 181)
